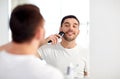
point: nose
(71, 27)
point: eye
(67, 25)
(75, 26)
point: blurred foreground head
(25, 21)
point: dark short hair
(69, 16)
(24, 21)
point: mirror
(54, 10)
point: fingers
(53, 38)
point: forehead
(71, 20)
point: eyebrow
(69, 23)
(66, 23)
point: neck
(68, 44)
(22, 49)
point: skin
(26, 48)
(71, 28)
(3, 47)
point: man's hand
(53, 39)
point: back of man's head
(24, 21)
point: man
(67, 55)
(17, 58)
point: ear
(38, 34)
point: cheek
(61, 29)
(64, 29)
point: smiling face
(71, 28)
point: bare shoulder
(3, 47)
